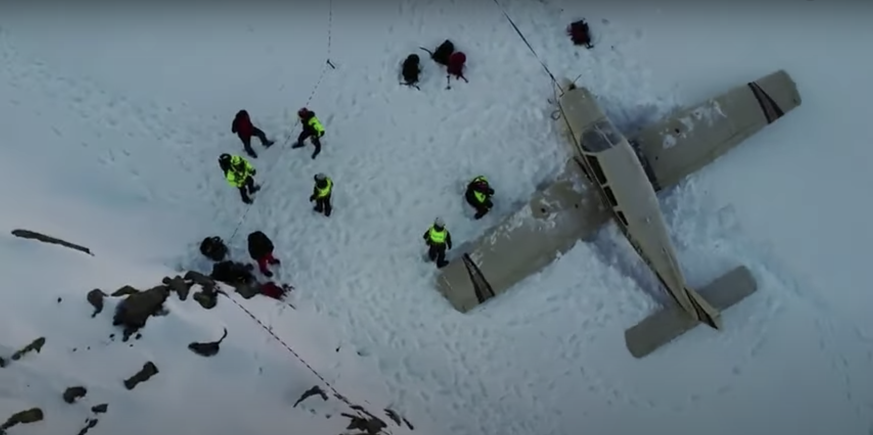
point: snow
(111, 130)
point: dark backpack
(580, 34)
(232, 273)
(442, 53)
(213, 248)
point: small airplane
(612, 177)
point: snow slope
(548, 357)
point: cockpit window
(600, 137)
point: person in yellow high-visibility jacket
(438, 241)
(239, 173)
(321, 194)
(478, 195)
(312, 128)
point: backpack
(213, 248)
(442, 53)
(580, 33)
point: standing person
(312, 128)
(244, 129)
(240, 174)
(438, 241)
(321, 194)
(261, 250)
(478, 195)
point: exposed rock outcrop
(208, 349)
(73, 393)
(133, 312)
(35, 345)
(32, 415)
(178, 285)
(95, 298)
(33, 235)
(149, 369)
(316, 390)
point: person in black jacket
(244, 129)
(261, 250)
(312, 128)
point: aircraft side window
(622, 218)
(598, 171)
(610, 196)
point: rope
(324, 68)
(289, 349)
(529, 47)
(327, 64)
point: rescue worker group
(240, 173)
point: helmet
(320, 177)
(302, 112)
(224, 158)
(439, 223)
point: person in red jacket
(456, 64)
(243, 127)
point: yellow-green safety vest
(479, 195)
(323, 192)
(437, 236)
(316, 125)
(236, 178)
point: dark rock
(316, 390)
(133, 312)
(248, 291)
(2, 362)
(206, 299)
(36, 345)
(178, 285)
(73, 393)
(393, 416)
(29, 416)
(125, 291)
(89, 423)
(368, 426)
(200, 279)
(27, 234)
(148, 370)
(100, 409)
(95, 298)
(208, 349)
(60, 300)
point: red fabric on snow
(456, 63)
(270, 289)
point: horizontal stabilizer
(665, 325)
(554, 220)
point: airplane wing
(693, 138)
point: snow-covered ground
(112, 121)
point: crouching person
(261, 250)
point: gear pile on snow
(213, 248)
(580, 34)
